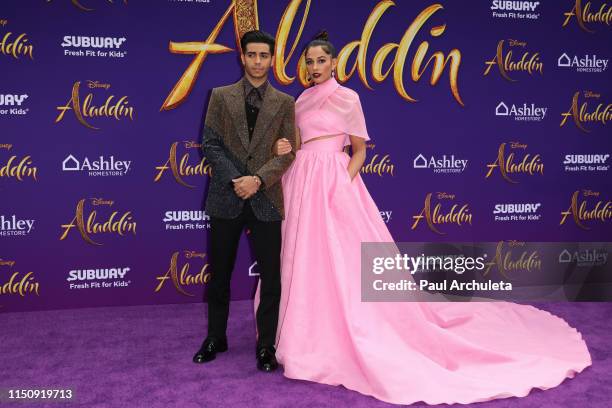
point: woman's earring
(309, 78)
(334, 73)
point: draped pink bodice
(328, 109)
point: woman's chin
(320, 80)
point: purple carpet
(140, 356)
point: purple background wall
(36, 265)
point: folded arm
(212, 143)
(274, 168)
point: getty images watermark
(481, 271)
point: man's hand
(246, 186)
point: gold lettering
(601, 114)
(378, 166)
(109, 109)
(16, 48)
(182, 169)
(506, 263)
(123, 225)
(20, 286)
(23, 168)
(202, 49)
(507, 165)
(457, 215)
(184, 279)
(505, 63)
(603, 15)
(601, 212)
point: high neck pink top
(328, 109)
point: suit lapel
(236, 108)
(271, 104)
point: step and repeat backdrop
(489, 121)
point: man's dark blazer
(226, 145)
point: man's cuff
(230, 182)
(262, 185)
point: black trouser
(265, 238)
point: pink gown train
(397, 352)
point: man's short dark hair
(257, 36)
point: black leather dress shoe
(266, 359)
(209, 350)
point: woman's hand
(350, 173)
(282, 146)
(358, 146)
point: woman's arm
(358, 145)
(298, 139)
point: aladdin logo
(584, 64)
(11, 226)
(579, 211)
(516, 212)
(18, 284)
(507, 262)
(100, 167)
(586, 162)
(389, 59)
(117, 223)
(112, 108)
(191, 220)
(506, 63)
(16, 46)
(181, 168)
(584, 15)
(98, 43)
(444, 164)
(79, 4)
(378, 165)
(582, 116)
(182, 279)
(587, 257)
(18, 169)
(507, 166)
(525, 113)
(458, 214)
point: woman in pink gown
(397, 352)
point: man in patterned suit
(243, 122)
